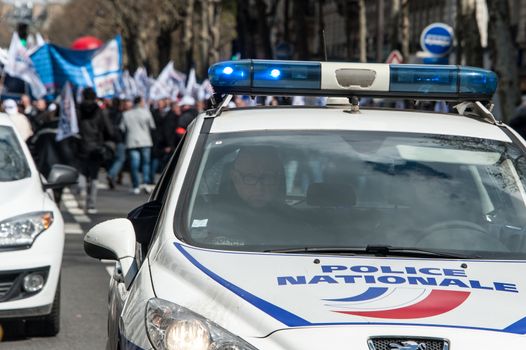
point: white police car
(31, 236)
(334, 227)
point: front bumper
(44, 255)
(25, 313)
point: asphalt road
(84, 279)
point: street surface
(84, 279)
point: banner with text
(100, 68)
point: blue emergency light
(409, 81)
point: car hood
(255, 294)
(21, 196)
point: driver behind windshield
(257, 176)
(251, 206)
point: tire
(49, 325)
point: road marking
(73, 228)
(73, 207)
(102, 186)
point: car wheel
(49, 325)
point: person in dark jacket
(160, 115)
(46, 150)
(172, 134)
(188, 112)
(94, 128)
(118, 107)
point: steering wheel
(459, 234)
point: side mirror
(60, 176)
(114, 240)
(144, 219)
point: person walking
(160, 117)
(188, 112)
(118, 108)
(137, 124)
(94, 128)
(22, 124)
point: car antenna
(324, 44)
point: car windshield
(283, 190)
(13, 165)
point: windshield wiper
(321, 250)
(416, 252)
(377, 250)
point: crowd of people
(112, 133)
(116, 134)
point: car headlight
(173, 327)
(23, 229)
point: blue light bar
(230, 75)
(442, 80)
(272, 76)
(283, 75)
(408, 81)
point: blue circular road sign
(437, 39)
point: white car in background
(31, 236)
(337, 227)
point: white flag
(40, 40)
(4, 56)
(19, 65)
(143, 82)
(205, 91)
(36, 43)
(67, 124)
(129, 86)
(191, 85)
(167, 82)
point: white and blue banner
(99, 68)
(67, 124)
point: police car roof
(321, 118)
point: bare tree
(503, 51)
(380, 31)
(188, 32)
(405, 29)
(459, 29)
(472, 42)
(256, 23)
(347, 10)
(146, 26)
(362, 31)
(81, 18)
(394, 37)
(469, 47)
(209, 33)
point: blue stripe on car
(278, 313)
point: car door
(144, 219)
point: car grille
(6, 283)
(407, 343)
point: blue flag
(98, 68)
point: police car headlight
(23, 229)
(173, 327)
